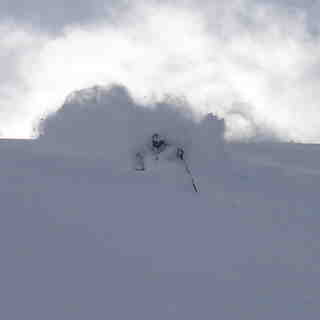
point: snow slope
(83, 237)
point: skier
(158, 145)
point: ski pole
(191, 176)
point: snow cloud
(254, 64)
(106, 122)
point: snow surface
(83, 236)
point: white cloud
(257, 57)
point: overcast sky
(55, 15)
(256, 63)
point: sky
(254, 63)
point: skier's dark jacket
(158, 144)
